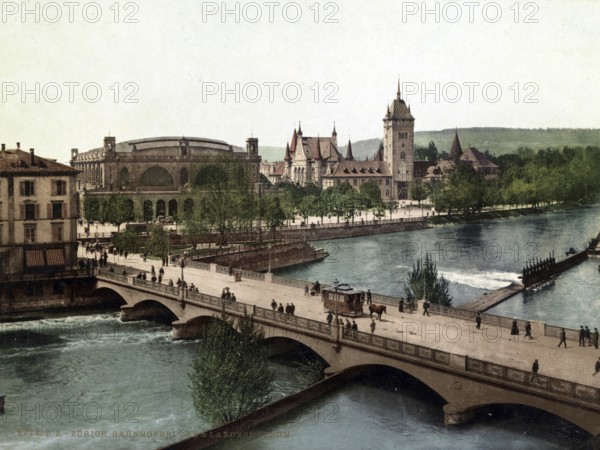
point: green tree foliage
(372, 194)
(117, 209)
(91, 209)
(230, 377)
(424, 283)
(429, 153)
(158, 242)
(127, 241)
(419, 191)
(195, 225)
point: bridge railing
(113, 275)
(222, 269)
(198, 265)
(396, 346)
(159, 287)
(289, 282)
(552, 385)
(303, 323)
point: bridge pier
(455, 414)
(183, 330)
(131, 314)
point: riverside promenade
(448, 330)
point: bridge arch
(149, 309)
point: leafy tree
(230, 377)
(196, 226)
(91, 209)
(429, 153)
(424, 283)
(418, 191)
(127, 241)
(158, 242)
(371, 192)
(117, 209)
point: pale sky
(176, 57)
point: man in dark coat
(534, 368)
(581, 336)
(563, 337)
(274, 305)
(478, 321)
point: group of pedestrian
(290, 308)
(586, 335)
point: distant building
(39, 207)
(471, 156)
(155, 174)
(317, 160)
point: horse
(377, 309)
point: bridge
(469, 368)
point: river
(94, 382)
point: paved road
(491, 343)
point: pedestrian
(233, 298)
(161, 271)
(126, 253)
(306, 290)
(426, 308)
(581, 336)
(329, 317)
(534, 368)
(588, 335)
(369, 297)
(595, 337)
(528, 330)
(597, 367)
(287, 308)
(372, 326)
(401, 305)
(273, 305)
(292, 309)
(354, 329)
(478, 321)
(152, 270)
(280, 309)
(514, 330)
(348, 327)
(563, 337)
(160, 278)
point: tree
(117, 209)
(127, 241)
(195, 226)
(418, 191)
(372, 193)
(158, 242)
(230, 377)
(424, 283)
(91, 209)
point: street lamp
(182, 265)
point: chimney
(18, 146)
(31, 151)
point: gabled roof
(476, 158)
(328, 149)
(349, 156)
(20, 162)
(279, 169)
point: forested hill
(497, 140)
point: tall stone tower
(398, 145)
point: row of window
(27, 188)
(403, 134)
(30, 232)
(54, 210)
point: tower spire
(300, 128)
(399, 93)
(288, 157)
(318, 155)
(349, 156)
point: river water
(94, 382)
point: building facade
(317, 160)
(39, 208)
(156, 174)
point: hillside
(497, 140)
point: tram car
(343, 300)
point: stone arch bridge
(467, 385)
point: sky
(74, 72)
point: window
(379, 182)
(34, 290)
(30, 211)
(27, 188)
(402, 154)
(387, 181)
(57, 210)
(387, 192)
(354, 182)
(59, 187)
(30, 234)
(57, 232)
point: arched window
(156, 176)
(161, 209)
(188, 205)
(173, 208)
(402, 155)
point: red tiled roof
(18, 161)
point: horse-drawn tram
(343, 300)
